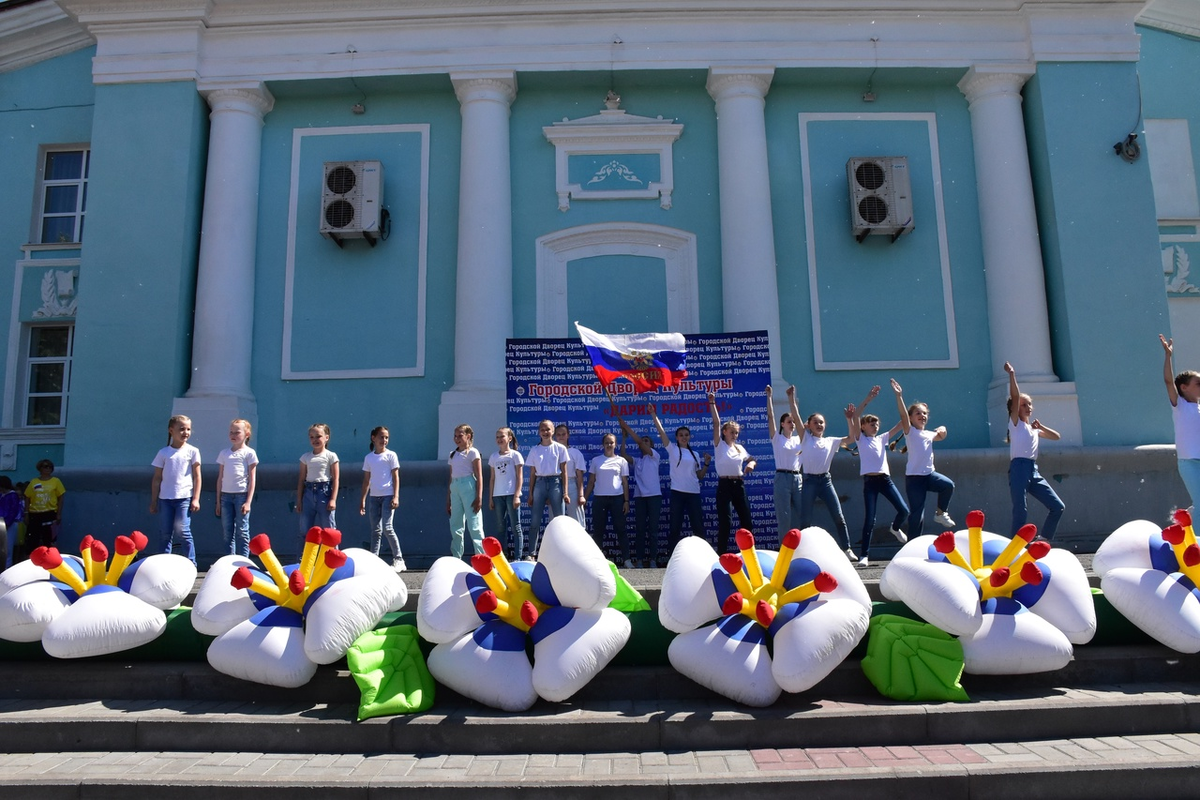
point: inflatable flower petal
(1150, 575)
(1016, 604)
(84, 606)
(806, 601)
(481, 616)
(275, 626)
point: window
(63, 200)
(48, 374)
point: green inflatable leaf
(390, 671)
(628, 598)
(910, 660)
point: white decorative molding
(58, 294)
(1176, 269)
(951, 360)
(1175, 16)
(615, 132)
(677, 249)
(38, 32)
(14, 357)
(418, 368)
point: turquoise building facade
(682, 169)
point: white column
(483, 309)
(750, 293)
(224, 322)
(1018, 319)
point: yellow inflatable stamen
(85, 553)
(1015, 546)
(127, 549)
(312, 544)
(99, 561)
(261, 546)
(49, 559)
(947, 545)
(294, 596)
(732, 563)
(330, 563)
(243, 578)
(745, 544)
(791, 540)
(495, 551)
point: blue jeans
(873, 486)
(464, 516)
(547, 490)
(235, 523)
(175, 521)
(787, 501)
(1189, 470)
(685, 503)
(379, 517)
(1023, 477)
(509, 515)
(916, 487)
(314, 508)
(604, 508)
(646, 513)
(821, 486)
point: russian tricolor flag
(647, 360)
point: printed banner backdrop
(553, 379)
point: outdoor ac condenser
(880, 196)
(352, 200)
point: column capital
(249, 96)
(982, 81)
(724, 82)
(496, 85)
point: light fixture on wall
(1128, 148)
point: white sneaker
(863, 562)
(943, 519)
(901, 537)
(629, 564)
(850, 554)
(399, 565)
(530, 559)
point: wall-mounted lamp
(1128, 149)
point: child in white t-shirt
(175, 487)
(1183, 391)
(381, 495)
(464, 495)
(317, 488)
(508, 475)
(877, 479)
(237, 470)
(1023, 475)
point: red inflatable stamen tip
(974, 519)
(260, 544)
(335, 559)
(824, 582)
(481, 563)
(1027, 532)
(764, 612)
(1031, 573)
(1173, 534)
(791, 539)
(313, 536)
(125, 546)
(732, 604)
(744, 539)
(296, 583)
(487, 602)
(331, 537)
(492, 547)
(999, 577)
(945, 542)
(242, 578)
(139, 540)
(99, 551)
(48, 558)
(1183, 517)
(732, 563)
(529, 613)
(85, 544)
(1039, 549)
(1191, 556)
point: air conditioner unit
(880, 196)
(352, 200)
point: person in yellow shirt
(43, 499)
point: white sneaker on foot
(863, 562)
(399, 565)
(629, 564)
(901, 537)
(528, 558)
(943, 519)
(850, 554)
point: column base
(211, 416)
(485, 410)
(1055, 403)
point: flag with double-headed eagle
(647, 360)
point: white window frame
(39, 199)
(30, 361)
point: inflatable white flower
(82, 606)
(1150, 575)
(1017, 605)
(806, 600)
(275, 626)
(480, 616)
